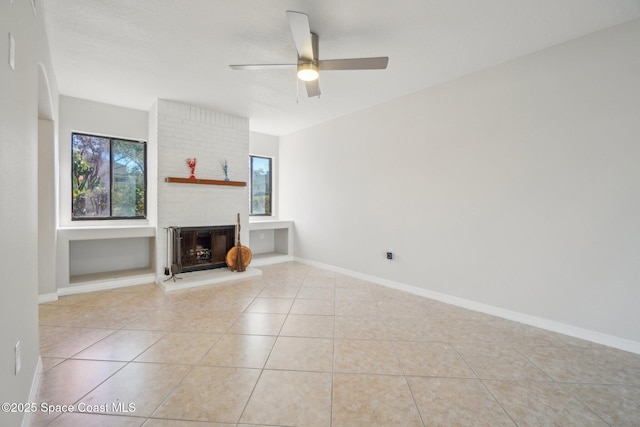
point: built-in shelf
(69, 282)
(271, 241)
(268, 258)
(109, 279)
(204, 181)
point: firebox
(201, 248)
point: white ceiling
(131, 52)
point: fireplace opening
(202, 248)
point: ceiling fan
(308, 65)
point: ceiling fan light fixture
(308, 72)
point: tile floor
(307, 347)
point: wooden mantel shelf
(205, 181)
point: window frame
(270, 182)
(110, 217)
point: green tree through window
(260, 185)
(108, 178)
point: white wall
(517, 187)
(47, 218)
(18, 199)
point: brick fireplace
(183, 132)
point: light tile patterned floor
(307, 347)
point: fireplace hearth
(200, 248)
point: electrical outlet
(18, 358)
(389, 254)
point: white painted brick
(186, 131)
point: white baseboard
(103, 285)
(51, 297)
(33, 392)
(538, 322)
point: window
(260, 185)
(109, 179)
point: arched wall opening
(47, 188)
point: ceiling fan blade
(313, 88)
(377, 63)
(299, 23)
(263, 66)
